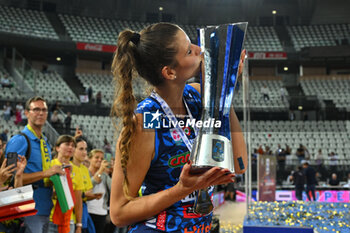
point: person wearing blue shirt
(38, 170)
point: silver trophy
(222, 46)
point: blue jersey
(171, 154)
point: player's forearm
(144, 207)
(238, 144)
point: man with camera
(38, 170)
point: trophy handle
(203, 204)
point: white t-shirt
(96, 206)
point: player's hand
(213, 176)
(241, 62)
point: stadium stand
(102, 83)
(318, 35)
(335, 88)
(330, 136)
(96, 128)
(51, 86)
(13, 93)
(105, 31)
(260, 39)
(26, 22)
(96, 30)
(257, 101)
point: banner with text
(267, 55)
(96, 47)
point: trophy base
(211, 150)
(199, 169)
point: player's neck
(173, 96)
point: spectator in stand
(291, 115)
(80, 155)
(333, 181)
(7, 111)
(56, 120)
(319, 158)
(90, 93)
(333, 159)
(55, 106)
(333, 162)
(288, 150)
(281, 160)
(311, 182)
(3, 136)
(24, 118)
(318, 177)
(20, 107)
(268, 151)
(306, 116)
(265, 92)
(64, 150)
(5, 82)
(283, 94)
(261, 150)
(301, 153)
(298, 178)
(18, 115)
(38, 169)
(348, 181)
(98, 209)
(99, 98)
(67, 122)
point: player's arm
(124, 211)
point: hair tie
(135, 39)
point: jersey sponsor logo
(203, 228)
(179, 160)
(176, 136)
(161, 219)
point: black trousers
(99, 222)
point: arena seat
(12, 94)
(51, 86)
(334, 88)
(96, 30)
(96, 129)
(326, 135)
(257, 102)
(104, 83)
(261, 39)
(26, 22)
(317, 35)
